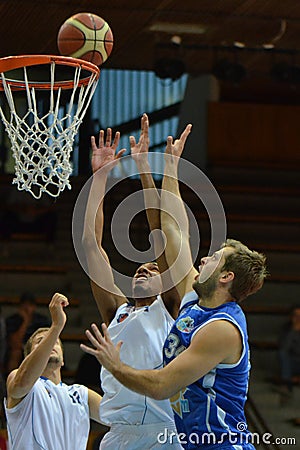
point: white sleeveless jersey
(143, 332)
(50, 417)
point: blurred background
(232, 69)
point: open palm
(105, 154)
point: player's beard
(206, 289)
(54, 360)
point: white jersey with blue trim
(212, 408)
(50, 417)
(143, 332)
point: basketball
(85, 36)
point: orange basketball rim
(17, 62)
(42, 139)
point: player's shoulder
(122, 313)
(188, 300)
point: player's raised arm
(174, 219)
(21, 380)
(107, 295)
(139, 152)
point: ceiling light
(268, 46)
(176, 39)
(239, 44)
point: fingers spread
(87, 349)
(105, 332)
(108, 137)
(101, 139)
(93, 340)
(186, 132)
(120, 153)
(132, 141)
(116, 140)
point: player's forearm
(147, 382)
(175, 226)
(152, 205)
(34, 364)
(151, 200)
(151, 197)
(94, 218)
(97, 260)
(173, 212)
(170, 179)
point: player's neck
(140, 302)
(216, 299)
(53, 374)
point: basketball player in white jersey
(135, 419)
(42, 412)
(206, 354)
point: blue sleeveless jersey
(210, 412)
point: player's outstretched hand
(175, 148)
(139, 150)
(104, 155)
(103, 349)
(56, 307)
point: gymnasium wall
(253, 135)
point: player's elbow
(163, 396)
(158, 394)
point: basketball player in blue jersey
(42, 412)
(206, 354)
(134, 419)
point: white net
(42, 142)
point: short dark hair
(249, 268)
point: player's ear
(226, 277)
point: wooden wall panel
(253, 135)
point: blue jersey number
(172, 347)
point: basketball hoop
(42, 132)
